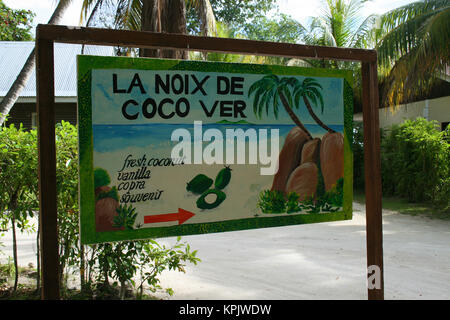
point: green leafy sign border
(86, 171)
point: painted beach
(136, 158)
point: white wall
(432, 109)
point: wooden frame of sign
(47, 35)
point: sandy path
(319, 261)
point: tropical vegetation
(413, 44)
(15, 25)
(412, 40)
(102, 271)
(13, 93)
(413, 47)
(415, 162)
(339, 25)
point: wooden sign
(173, 147)
(47, 35)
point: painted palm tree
(308, 90)
(413, 47)
(271, 90)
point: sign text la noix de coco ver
(213, 153)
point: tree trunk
(61, 275)
(12, 208)
(150, 21)
(22, 78)
(16, 265)
(164, 16)
(38, 260)
(90, 19)
(292, 114)
(89, 274)
(82, 269)
(313, 115)
(173, 20)
(123, 290)
(207, 21)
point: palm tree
(22, 78)
(339, 25)
(413, 44)
(224, 31)
(154, 15)
(273, 90)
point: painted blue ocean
(110, 138)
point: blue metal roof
(13, 55)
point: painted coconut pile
(302, 160)
(106, 202)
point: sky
(300, 10)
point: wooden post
(372, 170)
(47, 168)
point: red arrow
(181, 216)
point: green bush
(272, 201)
(18, 183)
(101, 178)
(415, 162)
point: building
(437, 109)
(12, 58)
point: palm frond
(287, 93)
(403, 14)
(205, 13)
(272, 77)
(268, 100)
(263, 103)
(298, 93)
(310, 82)
(253, 87)
(435, 35)
(256, 101)
(90, 9)
(316, 93)
(362, 37)
(404, 37)
(86, 7)
(312, 97)
(128, 14)
(324, 31)
(414, 48)
(293, 82)
(276, 103)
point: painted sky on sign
(107, 105)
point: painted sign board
(169, 147)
